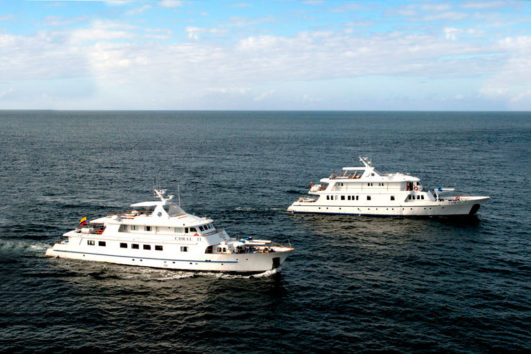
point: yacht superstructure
(161, 234)
(365, 191)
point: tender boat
(365, 191)
(161, 234)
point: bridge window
(102, 243)
(132, 227)
(134, 246)
(178, 230)
(123, 245)
(147, 247)
(193, 229)
(158, 248)
(122, 228)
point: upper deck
(155, 213)
(367, 173)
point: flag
(439, 189)
(83, 221)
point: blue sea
(354, 283)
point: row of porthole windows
(134, 246)
(411, 196)
(342, 197)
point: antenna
(179, 193)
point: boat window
(418, 196)
(134, 246)
(201, 228)
(368, 197)
(102, 243)
(147, 228)
(158, 248)
(178, 230)
(184, 248)
(357, 197)
(147, 247)
(91, 242)
(421, 197)
(342, 197)
(193, 229)
(132, 227)
(392, 197)
(348, 197)
(327, 197)
(123, 245)
(122, 228)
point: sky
(266, 55)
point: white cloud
(125, 72)
(195, 32)
(6, 92)
(170, 3)
(485, 5)
(453, 33)
(138, 10)
(511, 82)
(264, 95)
(5, 18)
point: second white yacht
(365, 191)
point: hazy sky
(300, 55)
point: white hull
(233, 263)
(464, 206)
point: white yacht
(161, 234)
(365, 191)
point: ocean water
(354, 283)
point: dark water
(354, 283)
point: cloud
(5, 18)
(264, 95)
(241, 5)
(453, 33)
(114, 66)
(511, 82)
(195, 32)
(171, 3)
(484, 5)
(138, 10)
(7, 92)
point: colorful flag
(83, 221)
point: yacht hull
(229, 263)
(463, 207)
